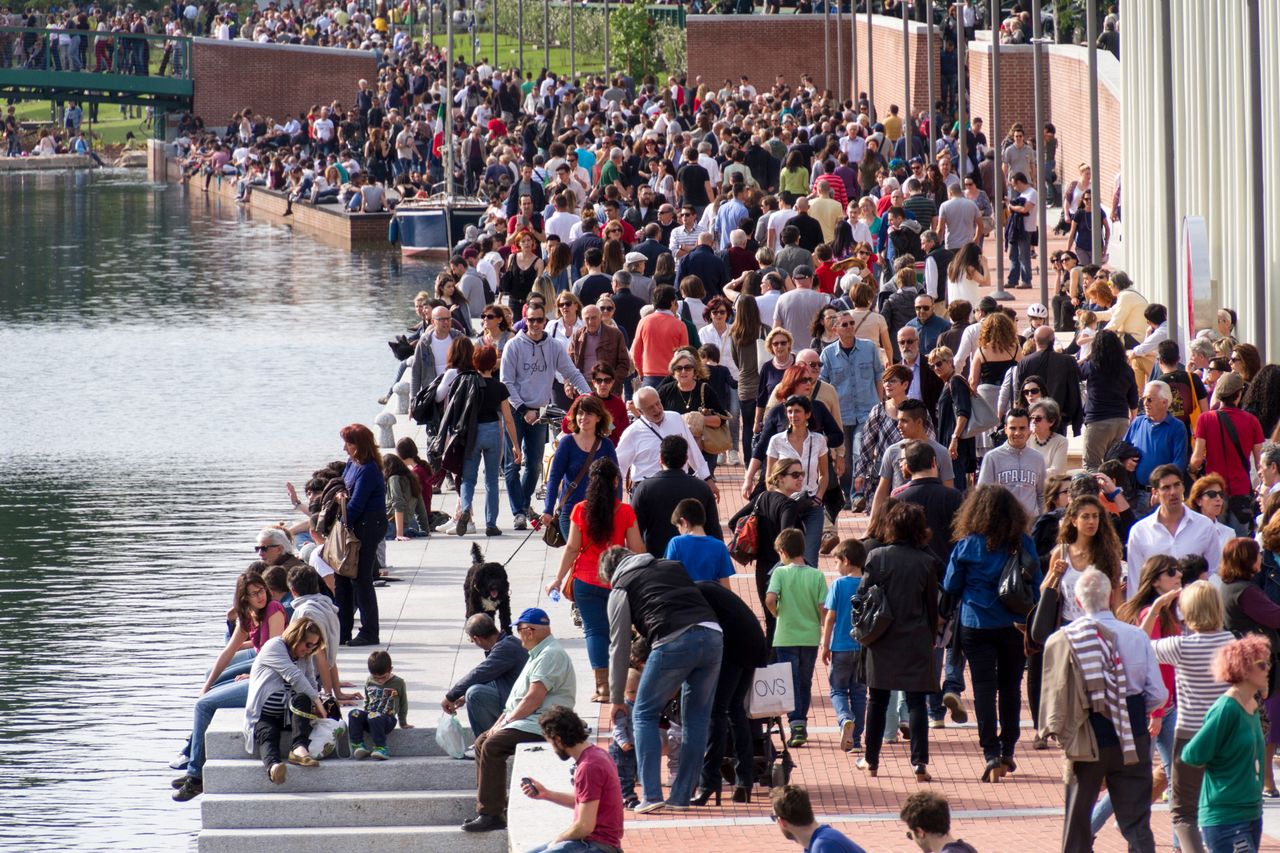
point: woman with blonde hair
(778, 342)
(283, 693)
(1191, 655)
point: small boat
(433, 226)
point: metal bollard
(386, 436)
(401, 390)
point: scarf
(1105, 683)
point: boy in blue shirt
(840, 651)
(704, 557)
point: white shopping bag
(772, 692)
(324, 737)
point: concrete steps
(225, 739)
(380, 838)
(401, 773)
(337, 809)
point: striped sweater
(1191, 656)
(1098, 657)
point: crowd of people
(673, 280)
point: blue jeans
(1103, 811)
(953, 672)
(533, 440)
(1233, 837)
(233, 694)
(848, 695)
(241, 663)
(689, 663)
(593, 603)
(625, 759)
(1020, 259)
(360, 725)
(488, 446)
(802, 659)
(811, 522)
(853, 429)
(652, 381)
(568, 847)
(484, 705)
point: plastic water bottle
(555, 596)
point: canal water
(165, 367)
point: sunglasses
(564, 305)
(681, 368)
(1211, 493)
(262, 549)
(608, 309)
(608, 379)
(1032, 391)
(1171, 572)
(490, 316)
(720, 313)
(1035, 419)
(531, 320)
(794, 474)
(922, 307)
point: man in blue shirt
(793, 813)
(928, 325)
(853, 367)
(1160, 437)
(730, 216)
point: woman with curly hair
(1111, 396)
(597, 523)
(1230, 748)
(1262, 397)
(997, 353)
(989, 530)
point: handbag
(982, 417)
(988, 225)
(342, 548)
(1017, 589)
(551, 533)
(401, 348)
(714, 440)
(871, 614)
(744, 544)
(772, 692)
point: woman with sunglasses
(1208, 496)
(495, 329)
(809, 447)
(779, 343)
(1045, 415)
(775, 510)
(1080, 235)
(257, 618)
(603, 387)
(687, 392)
(284, 694)
(955, 407)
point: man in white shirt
(771, 287)
(706, 161)
(323, 130)
(638, 448)
(1172, 529)
(562, 221)
(684, 237)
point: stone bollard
(401, 391)
(386, 435)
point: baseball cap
(1037, 310)
(802, 271)
(635, 258)
(533, 616)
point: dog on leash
(486, 590)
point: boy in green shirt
(795, 596)
(385, 702)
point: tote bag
(772, 692)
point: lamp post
(928, 49)
(826, 46)
(839, 52)
(906, 82)
(546, 33)
(1042, 180)
(520, 32)
(997, 197)
(853, 46)
(871, 71)
(573, 51)
(606, 39)
(1095, 178)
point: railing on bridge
(93, 52)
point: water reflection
(163, 369)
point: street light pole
(853, 46)
(496, 63)
(997, 196)
(928, 49)
(573, 51)
(826, 46)
(606, 39)
(871, 70)
(1095, 155)
(1042, 180)
(546, 33)
(839, 52)
(520, 32)
(906, 83)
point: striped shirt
(1192, 658)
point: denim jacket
(854, 375)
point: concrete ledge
(380, 838)
(365, 808)
(410, 773)
(225, 739)
(534, 822)
(47, 164)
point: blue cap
(533, 616)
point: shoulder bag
(551, 533)
(871, 614)
(1017, 589)
(342, 549)
(714, 439)
(1242, 508)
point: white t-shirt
(815, 445)
(440, 350)
(316, 561)
(1031, 219)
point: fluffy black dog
(486, 590)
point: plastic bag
(449, 735)
(324, 737)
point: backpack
(744, 544)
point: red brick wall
(724, 47)
(274, 80)
(1065, 75)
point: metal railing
(93, 52)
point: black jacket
(810, 231)
(744, 643)
(902, 659)
(707, 266)
(627, 312)
(651, 249)
(899, 310)
(940, 504)
(1061, 375)
(655, 498)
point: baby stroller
(772, 762)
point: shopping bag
(324, 737)
(449, 735)
(772, 692)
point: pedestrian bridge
(107, 67)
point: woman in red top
(597, 523)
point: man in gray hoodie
(1014, 465)
(661, 601)
(530, 362)
(309, 601)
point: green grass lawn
(509, 52)
(110, 129)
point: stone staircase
(415, 801)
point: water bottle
(555, 596)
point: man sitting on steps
(484, 690)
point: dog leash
(532, 530)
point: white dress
(966, 289)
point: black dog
(486, 590)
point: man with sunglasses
(684, 237)
(1159, 437)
